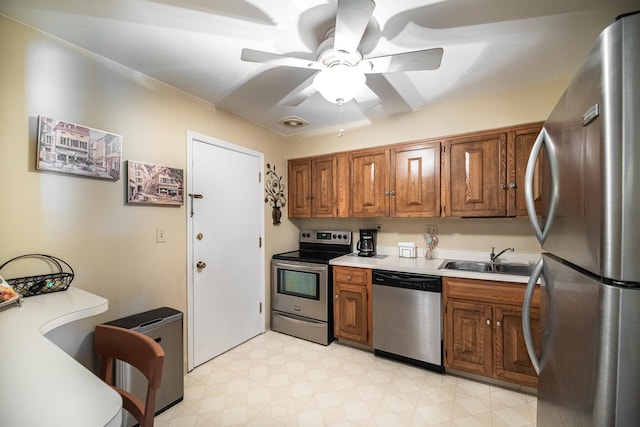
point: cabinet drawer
(488, 291)
(353, 276)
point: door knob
(200, 265)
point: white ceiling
(194, 45)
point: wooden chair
(114, 343)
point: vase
(276, 214)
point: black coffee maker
(366, 246)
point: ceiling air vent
(293, 122)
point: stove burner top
(318, 257)
(319, 247)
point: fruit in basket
(6, 293)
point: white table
(41, 385)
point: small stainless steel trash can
(165, 326)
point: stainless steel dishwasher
(407, 318)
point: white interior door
(226, 294)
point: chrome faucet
(495, 256)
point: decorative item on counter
(28, 286)
(275, 193)
(406, 249)
(432, 241)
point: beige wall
(111, 245)
(522, 105)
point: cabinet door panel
(369, 181)
(350, 312)
(470, 337)
(299, 180)
(523, 140)
(512, 358)
(416, 181)
(323, 187)
(476, 172)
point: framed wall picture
(150, 184)
(79, 150)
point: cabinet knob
(512, 185)
(349, 278)
(498, 324)
(386, 193)
(336, 296)
(200, 265)
(393, 193)
(503, 186)
(488, 322)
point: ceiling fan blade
(392, 101)
(262, 57)
(351, 22)
(419, 60)
(301, 93)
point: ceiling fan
(341, 66)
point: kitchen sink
(487, 267)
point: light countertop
(40, 384)
(393, 262)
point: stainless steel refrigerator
(589, 356)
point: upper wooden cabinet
(473, 175)
(315, 187)
(521, 142)
(415, 182)
(403, 181)
(369, 183)
(484, 173)
(299, 179)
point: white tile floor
(278, 380)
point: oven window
(299, 284)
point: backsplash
(473, 234)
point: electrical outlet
(432, 229)
(378, 227)
(161, 235)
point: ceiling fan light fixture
(339, 83)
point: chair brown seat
(140, 351)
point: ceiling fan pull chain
(340, 117)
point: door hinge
(260, 241)
(259, 176)
(260, 308)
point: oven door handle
(306, 267)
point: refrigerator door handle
(542, 138)
(526, 319)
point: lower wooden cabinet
(483, 329)
(352, 304)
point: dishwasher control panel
(420, 282)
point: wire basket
(29, 286)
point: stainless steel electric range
(302, 285)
